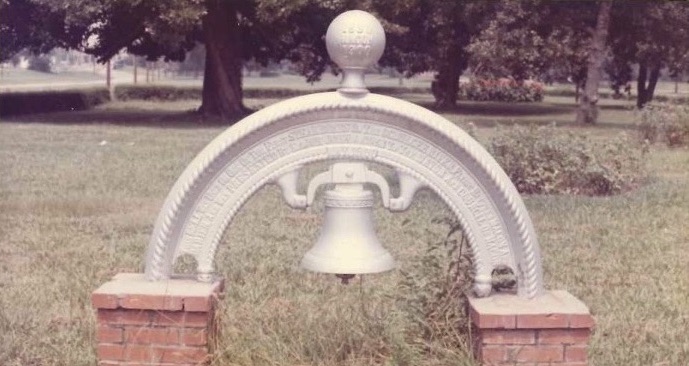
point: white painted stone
(355, 41)
(424, 148)
(137, 284)
(551, 302)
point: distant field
(80, 191)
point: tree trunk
(446, 85)
(222, 79)
(652, 82)
(641, 85)
(588, 109)
(645, 92)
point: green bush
(501, 90)
(172, 93)
(543, 160)
(12, 104)
(571, 92)
(41, 63)
(667, 123)
(156, 92)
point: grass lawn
(79, 193)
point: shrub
(156, 92)
(172, 93)
(40, 63)
(542, 160)
(501, 90)
(12, 104)
(667, 123)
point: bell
(347, 244)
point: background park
(583, 103)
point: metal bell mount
(347, 244)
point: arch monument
(348, 125)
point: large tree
(232, 31)
(651, 34)
(428, 35)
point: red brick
(107, 334)
(109, 363)
(169, 318)
(158, 354)
(140, 335)
(106, 317)
(508, 336)
(492, 321)
(198, 303)
(535, 353)
(110, 352)
(576, 353)
(185, 355)
(529, 321)
(194, 337)
(492, 354)
(124, 317)
(136, 317)
(581, 321)
(151, 302)
(196, 319)
(563, 336)
(182, 319)
(103, 301)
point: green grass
(80, 191)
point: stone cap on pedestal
(553, 309)
(133, 291)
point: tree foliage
(503, 38)
(535, 39)
(36, 26)
(427, 35)
(651, 34)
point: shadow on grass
(502, 109)
(487, 122)
(482, 114)
(124, 117)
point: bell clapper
(345, 277)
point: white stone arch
(368, 127)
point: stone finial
(355, 40)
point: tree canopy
(652, 34)
(519, 39)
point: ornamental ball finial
(355, 40)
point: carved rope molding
(262, 147)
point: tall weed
(432, 291)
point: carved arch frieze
(326, 126)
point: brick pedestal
(553, 330)
(161, 323)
